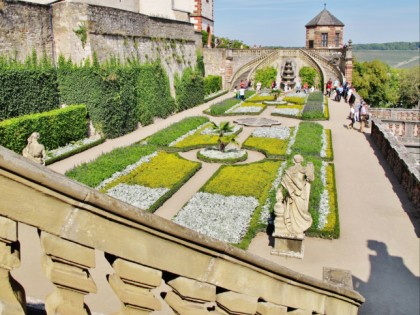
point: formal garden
(114, 99)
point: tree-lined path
(379, 240)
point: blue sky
(282, 22)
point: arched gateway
(324, 52)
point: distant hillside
(388, 46)
(394, 58)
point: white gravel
(286, 111)
(246, 109)
(277, 132)
(136, 195)
(324, 206)
(211, 131)
(212, 153)
(72, 146)
(224, 218)
(292, 140)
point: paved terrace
(380, 229)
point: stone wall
(399, 159)
(108, 32)
(24, 27)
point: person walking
(259, 87)
(242, 93)
(328, 87)
(298, 87)
(352, 117)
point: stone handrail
(202, 275)
(403, 123)
(264, 62)
(324, 64)
(310, 60)
(399, 159)
(248, 66)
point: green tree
(309, 75)
(376, 82)
(266, 76)
(409, 82)
(226, 134)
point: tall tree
(309, 75)
(409, 81)
(376, 82)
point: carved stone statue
(292, 213)
(34, 151)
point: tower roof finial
(325, 6)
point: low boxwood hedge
(56, 128)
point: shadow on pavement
(407, 205)
(392, 289)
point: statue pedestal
(288, 245)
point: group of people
(359, 110)
(243, 85)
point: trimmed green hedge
(189, 89)
(56, 128)
(27, 91)
(212, 83)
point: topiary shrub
(57, 128)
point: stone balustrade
(398, 158)
(155, 263)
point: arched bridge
(235, 65)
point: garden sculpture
(292, 212)
(34, 151)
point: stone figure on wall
(34, 151)
(292, 212)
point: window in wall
(311, 44)
(324, 39)
(337, 39)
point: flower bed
(314, 107)
(93, 173)
(72, 149)
(293, 111)
(166, 136)
(250, 180)
(295, 98)
(326, 218)
(225, 218)
(308, 139)
(272, 142)
(327, 148)
(203, 136)
(213, 155)
(214, 95)
(275, 102)
(219, 109)
(261, 98)
(246, 109)
(165, 170)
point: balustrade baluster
(190, 296)
(12, 294)
(235, 303)
(133, 284)
(265, 308)
(66, 264)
